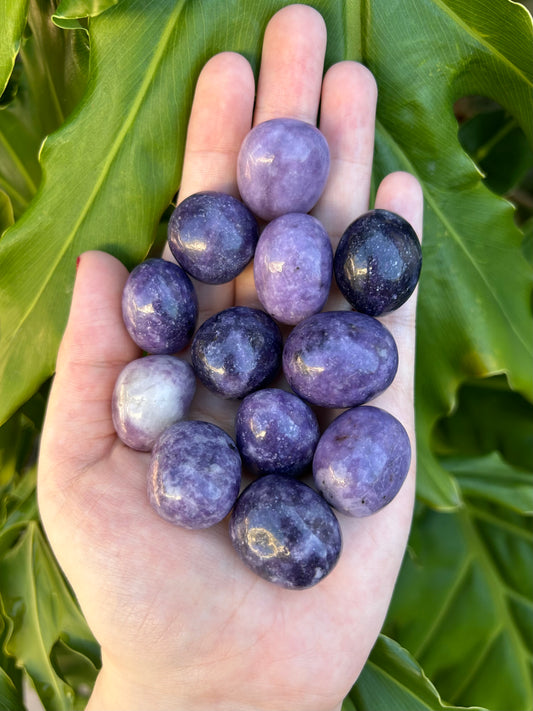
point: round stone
(285, 532)
(293, 267)
(283, 166)
(213, 236)
(276, 432)
(159, 306)
(377, 262)
(195, 474)
(237, 351)
(339, 359)
(361, 460)
(150, 394)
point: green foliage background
(95, 96)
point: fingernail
(78, 262)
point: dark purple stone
(293, 267)
(285, 532)
(377, 262)
(159, 306)
(237, 351)
(276, 432)
(339, 358)
(283, 166)
(361, 460)
(195, 474)
(213, 236)
(150, 394)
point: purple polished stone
(276, 432)
(285, 532)
(195, 474)
(361, 460)
(377, 262)
(213, 236)
(283, 166)
(293, 267)
(150, 394)
(339, 358)
(237, 351)
(159, 306)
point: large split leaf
(112, 169)
(12, 21)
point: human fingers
(289, 84)
(221, 115)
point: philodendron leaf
(111, 171)
(12, 21)
(392, 679)
(70, 11)
(9, 697)
(463, 603)
(41, 610)
(7, 217)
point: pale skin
(182, 623)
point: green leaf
(392, 679)
(12, 21)
(463, 604)
(7, 217)
(41, 611)
(9, 697)
(76, 9)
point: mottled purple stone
(339, 358)
(361, 460)
(283, 166)
(237, 351)
(150, 394)
(276, 432)
(285, 532)
(293, 267)
(213, 236)
(195, 474)
(159, 306)
(377, 262)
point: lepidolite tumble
(293, 267)
(237, 351)
(377, 262)
(339, 359)
(213, 236)
(150, 394)
(285, 532)
(282, 167)
(195, 474)
(276, 432)
(361, 460)
(159, 306)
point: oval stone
(340, 359)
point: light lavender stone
(195, 474)
(159, 306)
(150, 394)
(283, 166)
(212, 236)
(276, 432)
(293, 267)
(285, 532)
(339, 359)
(361, 460)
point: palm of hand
(178, 615)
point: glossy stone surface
(361, 460)
(285, 532)
(283, 166)
(195, 474)
(339, 358)
(293, 267)
(237, 351)
(159, 306)
(150, 394)
(377, 262)
(276, 432)
(213, 236)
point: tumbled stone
(285, 532)
(339, 358)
